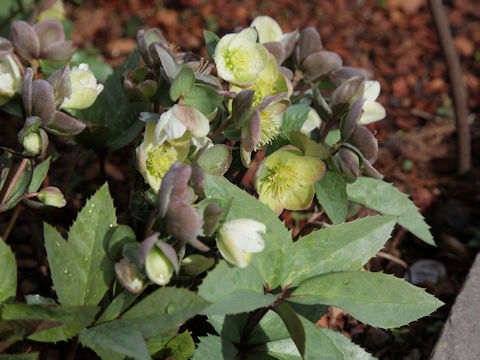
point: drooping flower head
(238, 239)
(239, 58)
(285, 179)
(84, 88)
(372, 110)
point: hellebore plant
(201, 266)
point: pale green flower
(313, 122)
(52, 196)
(238, 239)
(10, 78)
(84, 88)
(285, 179)
(270, 31)
(154, 159)
(239, 58)
(372, 110)
(270, 82)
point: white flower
(372, 110)
(175, 122)
(10, 78)
(84, 88)
(239, 238)
(239, 58)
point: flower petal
(309, 169)
(372, 111)
(299, 198)
(372, 90)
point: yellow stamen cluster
(160, 158)
(270, 127)
(281, 179)
(237, 60)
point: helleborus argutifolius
(285, 179)
(239, 58)
(238, 239)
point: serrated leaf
(163, 310)
(8, 280)
(341, 247)
(73, 318)
(12, 331)
(293, 324)
(233, 290)
(294, 117)
(215, 347)
(39, 173)
(278, 244)
(387, 199)
(81, 269)
(183, 83)
(119, 340)
(376, 299)
(121, 302)
(323, 343)
(204, 98)
(211, 41)
(332, 195)
(181, 347)
(230, 327)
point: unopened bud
(52, 196)
(158, 266)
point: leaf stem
(11, 222)
(14, 180)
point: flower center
(270, 127)
(159, 160)
(238, 59)
(281, 179)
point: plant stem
(14, 181)
(253, 319)
(221, 128)
(462, 114)
(11, 222)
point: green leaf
(293, 324)
(294, 117)
(376, 299)
(116, 340)
(341, 247)
(163, 310)
(48, 67)
(39, 173)
(12, 331)
(211, 41)
(73, 318)
(386, 199)
(323, 343)
(181, 347)
(30, 356)
(8, 280)
(113, 110)
(117, 306)
(81, 269)
(203, 98)
(13, 107)
(214, 347)
(233, 290)
(158, 342)
(311, 312)
(183, 83)
(332, 195)
(271, 262)
(230, 327)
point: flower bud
(309, 43)
(140, 84)
(52, 196)
(237, 239)
(158, 266)
(129, 275)
(33, 139)
(10, 77)
(349, 162)
(84, 88)
(196, 264)
(320, 64)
